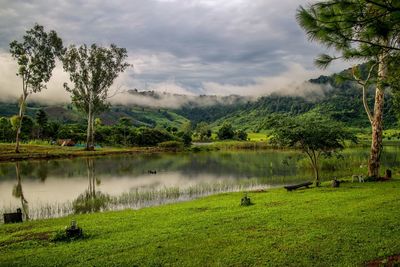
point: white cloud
(290, 82)
(179, 46)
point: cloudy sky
(247, 47)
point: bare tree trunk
(89, 145)
(377, 121)
(92, 134)
(21, 116)
(314, 164)
(316, 171)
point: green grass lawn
(344, 226)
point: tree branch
(364, 85)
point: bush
(151, 137)
(245, 201)
(241, 135)
(171, 145)
(226, 132)
(187, 139)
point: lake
(54, 188)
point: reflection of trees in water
(42, 171)
(19, 193)
(91, 200)
(237, 164)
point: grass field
(344, 226)
(257, 137)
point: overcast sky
(249, 47)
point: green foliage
(61, 236)
(6, 131)
(315, 135)
(36, 57)
(27, 128)
(203, 131)
(76, 132)
(172, 145)
(226, 132)
(151, 137)
(358, 29)
(41, 121)
(187, 139)
(241, 135)
(92, 71)
(245, 201)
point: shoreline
(49, 152)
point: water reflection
(90, 200)
(61, 187)
(19, 193)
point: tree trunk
(314, 164)
(377, 121)
(316, 174)
(92, 134)
(21, 116)
(89, 145)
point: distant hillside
(340, 99)
(342, 102)
(150, 117)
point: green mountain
(339, 99)
(67, 113)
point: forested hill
(341, 100)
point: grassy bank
(7, 151)
(346, 226)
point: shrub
(226, 132)
(241, 135)
(171, 145)
(245, 201)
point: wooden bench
(297, 186)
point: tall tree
(92, 71)
(366, 30)
(36, 58)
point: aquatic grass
(135, 199)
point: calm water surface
(56, 188)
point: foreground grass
(346, 226)
(7, 151)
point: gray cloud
(196, 45)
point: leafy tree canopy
(315, 135)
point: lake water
(56, 188)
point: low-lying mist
(167, 94)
